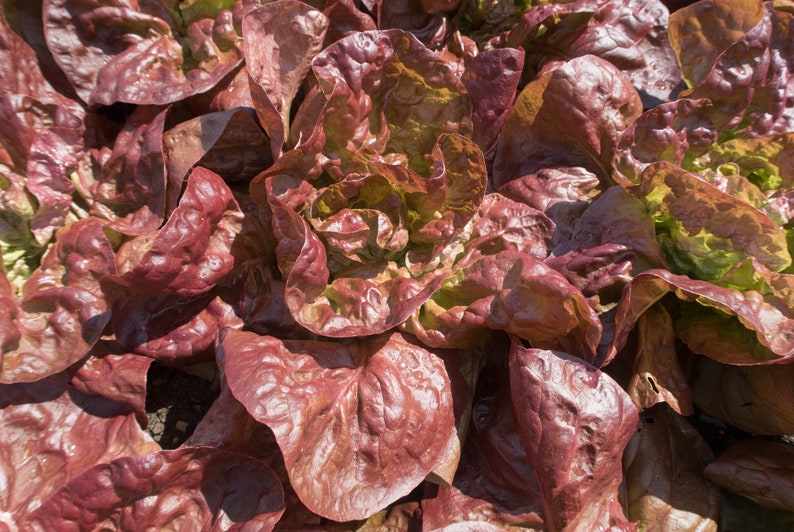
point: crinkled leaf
(131, 191)
(767, 161)
(172, 329)
(424, 19)
(51, 434)
(21, 71)
(703, 231)
(191, 253)
(364, 299)
(115, 376)
(163, 303)
(562, 194)
(731, 326)
(491, 78)
(701, 32)
(197, 488)
(676, 132)
(403, 516)
(756, 399)
(508, 291)
(280, 39)
(229, 426)
(230, 143)
(632, 35)
(373, 256)
(482, 19)
(386, 90)
(571, 116)
(21, 252)
(575, 422)
(53, 156)
(738, 55)
(758, 469)
(126, 52)
(663, 466)
(62, 313)
(345, 18)
(359, 425)
(494, 484)
(657, 376)
(612, 240)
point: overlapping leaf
(571, 116)
(359, 424)
(62, 312)
(128, 52)
(161, 301)
(51, 434)
(194, 487)
(574, 423)
(663, 464)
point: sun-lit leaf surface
(192, 487)
(280, 39)
(574, 423)
(570, 116)
(166, 282)
(51, 434)
(62, 312)
(359, 424)
(130, 52)
(345, 211)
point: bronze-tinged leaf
(702, 31)
(51, 434)
(663, 467)
(756, 399)
(760, 470)
(571, 116)
(657, 376)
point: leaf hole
(653, 385)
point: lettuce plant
(450, 266)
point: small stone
(181, 426)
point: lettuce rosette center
(376, 188)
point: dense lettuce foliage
(452, 265)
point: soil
(175, 403)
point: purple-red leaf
(280, 39)
(131, 189)
(193, 488)
(166, 284)
(732, 326)
(571, 116)
(62, 313)
(510, 291)
(359, 424)
(230, 143)
(126, 52)
(51, 434)
(575, 422)
(631, 34)
(495, 484)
